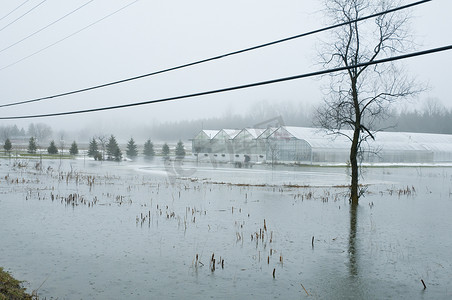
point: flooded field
(86, 230)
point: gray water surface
(104, 245)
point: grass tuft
(11, 288)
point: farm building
(262, 140)
(412, 147)
(303, 145)
(202, 141)
(311, 145)
(222, 141)
(228, 145)
(245, 141)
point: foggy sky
(152, 35)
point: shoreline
(11, 288)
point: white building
(312, 145)
(304, 145)
(201, 143)
(222, 141)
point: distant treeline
(40, 131)
(421, 121)
(188, 129)
(262, 115)
(426, 121)
(433, 118)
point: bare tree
(359, 97)
(43, 131)
(103, 144)
(62, 143)
(273, 150)
(433, 107)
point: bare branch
(359, 97)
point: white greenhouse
(202, 141)
(245, 141)
(303, 145)
(312, 145)
(222, 141)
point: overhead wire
(215, 57)
(227, 89)
(47, 26)
(23, 15)
(14, 10)
(67, 37)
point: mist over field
(428, 116)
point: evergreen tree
(52, 149)
(93, 150)
(131, 149)
(74, 148)
(117, 155)
(98, 156)
(149, 149)
(165, 150)
(113, 151)
(7, 146)
(180, 150)
(32, 147)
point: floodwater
(86, 230)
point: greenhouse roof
(414, 141)
(211, 133)
(267, 132)
(316, 137)
(387, 141)
(207, 133)
(231, 133)
(254, 132)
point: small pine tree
(165, 150)
(117, 155)
(93, 149)
(148, 149)
(7, 146)
(180, 150)
(131, 149)
(113, 151)
(32, 147)
(52, 149)
(74, 148)
(98, 156)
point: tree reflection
(352, 239)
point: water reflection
(353, 265)
(377, 262)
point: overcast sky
(151, 35)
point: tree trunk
(354, 192)
(353, 263)
(354, 164)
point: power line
(213, 58)
(228, 89)
(47, 26)
(23, 15)
(65, 38)
(14, 10)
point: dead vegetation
(404, 191)
(11, 288)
